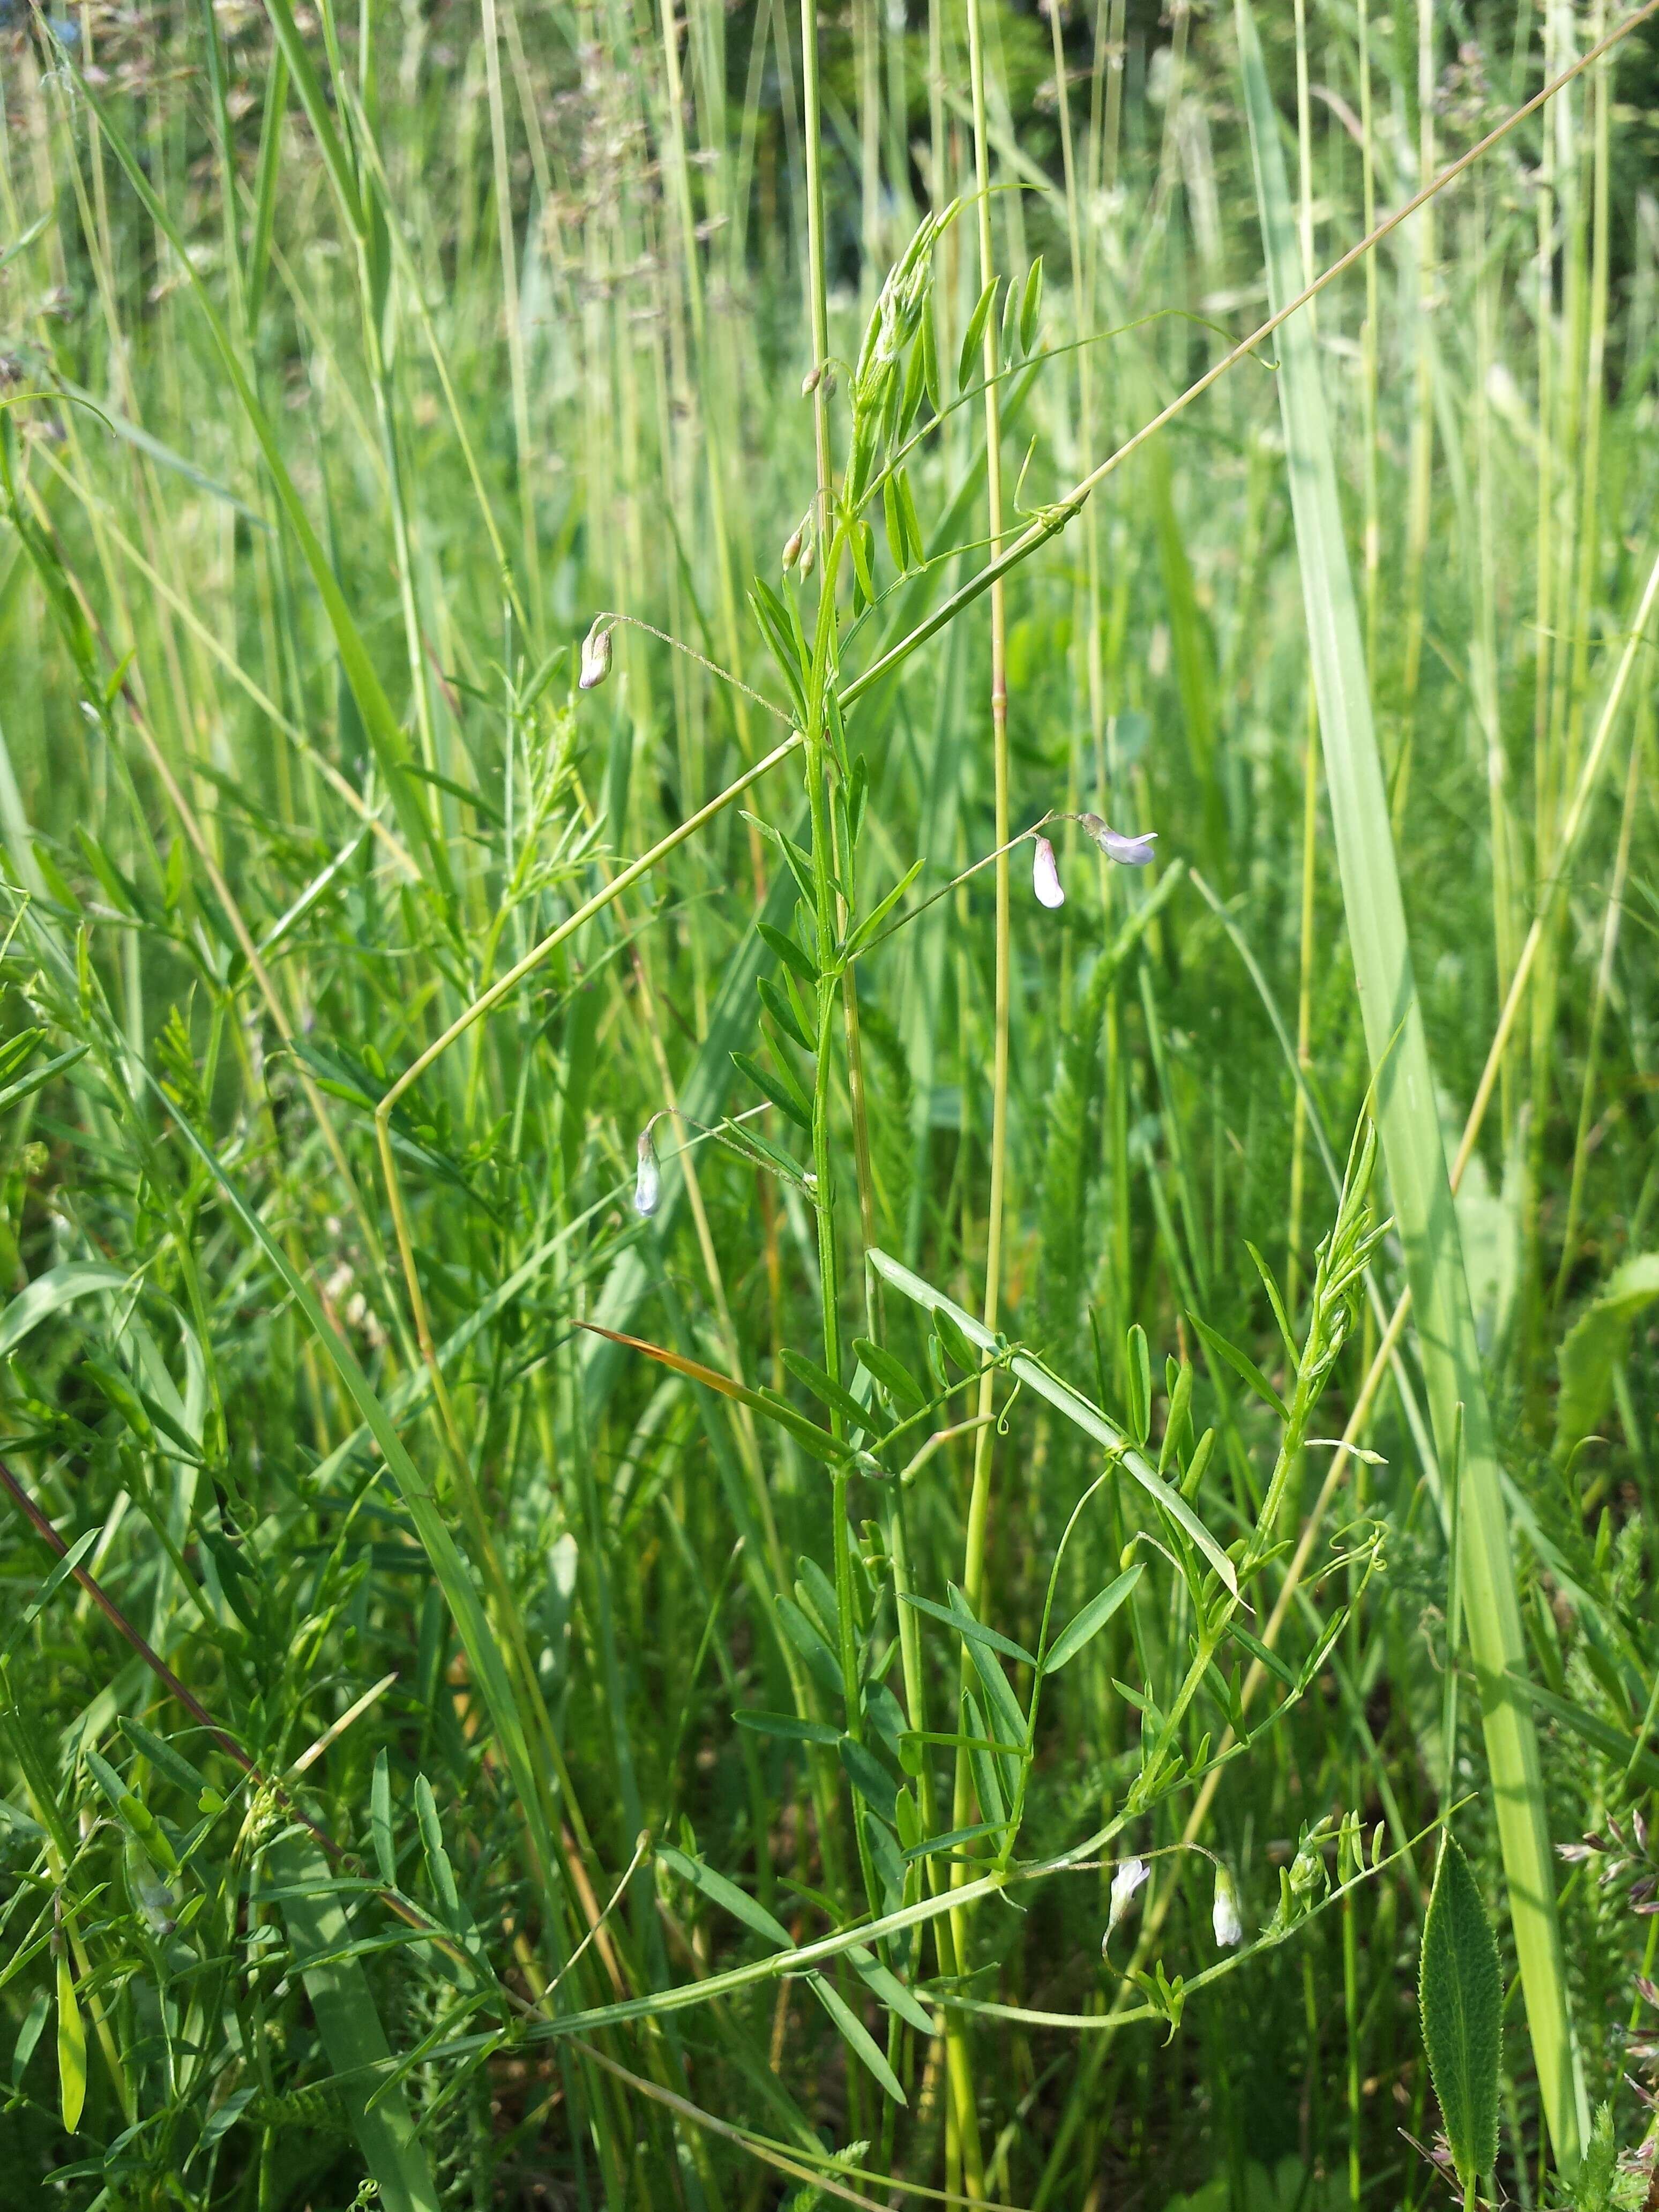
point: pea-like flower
(596, 656)
(647, 1179)
(1128, 852)
(1229, 1927)
(1045, 875)
(1125, 1882)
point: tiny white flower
(1045, 875)
(647, 1181)
(1229, 1927)
(596, 656)
(1125, 1882)
(1128, 852)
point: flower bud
(596, 656)
(1125, 1882)
(1229, 1927)
(647, 1179)
(1045, 875)
(809, 383)
(1128, 852)
(792, 548)
(808, 558)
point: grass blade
(1411, 1137)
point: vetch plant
(468, 1620)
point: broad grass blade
(1412, 1143)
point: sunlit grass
(586, 1685)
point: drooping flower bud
(647, 1179)
(1128, 852)
(1125, 1882)
(809, 383)
(1229, 1927)
(808, 557)
(596, 656)
(1045, 875)
(792, 548)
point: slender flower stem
(979, 1503)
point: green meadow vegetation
(828, 1077)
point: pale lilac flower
(647, 1181)
(1128, 852)
(1125, 1882)
(596, 658)
(1229, 1927)
(1045, 875)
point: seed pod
(1045, 875)
(596, 656)
(647, 1179)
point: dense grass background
(355, 359)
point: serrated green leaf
(1460, 1995)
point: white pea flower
(596, 656)
(1229, 1927)
(1125, 1882)
(1128, 852)
(1045, 875)
(647, 1181)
